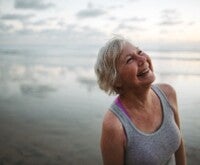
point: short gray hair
(106, 64)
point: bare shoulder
(171, 96)
(168, 90)
(112, 140)
(111, 125)
(170, 93)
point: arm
(171, 95)
(112, 140)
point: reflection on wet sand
(51, 110)
(36, 90)
(45, 139)
(87, 82)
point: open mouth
(143, 72)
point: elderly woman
(142, 125)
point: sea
(51, 108)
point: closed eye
(129, 60)
(140, 52)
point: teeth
(143, 72)
(146, 70)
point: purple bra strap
(119, 104)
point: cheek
(151, 66)
(150, 63)
(128, 73)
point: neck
(139, 99)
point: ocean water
(51, 108)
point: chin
(150, 80)
(153, 78)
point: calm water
(51, 108)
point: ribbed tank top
(155, 148)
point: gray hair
(106, 64)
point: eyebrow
(130, 54)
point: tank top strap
(122, 116)
(161, 94)
(126, 121)
(150, 148)
(119, 113)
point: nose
(141, 60)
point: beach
(51, 108)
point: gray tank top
(155, 148)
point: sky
(87, 24)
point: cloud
(90, 12)
(5, 28)
(123, 26)
(137, 19)
(25, 31)
(20, 17)
(8, 21)
(40, 22)
(170, 17)
(76, 38)
(32, 4)
(132, 20)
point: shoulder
(170, 93)
(112, 140)
(112, 126)
(168, 90)
(171, 96)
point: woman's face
(134, 68)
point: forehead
(128, 49)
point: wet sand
(27, 140)
(51, 109)
(54, 139)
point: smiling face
(135, 68)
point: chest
(150, 121)
(153, 148)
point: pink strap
(119, 104)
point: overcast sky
(167, 24)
